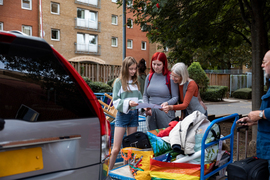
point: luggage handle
(246, 136)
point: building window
(1, 2)
(87, 18)
(114, 19)
(55, 8)
(55, 34)
(114, 41)
(129, 44)
(27, 30)
(129, 3)
(115, 1)
(143, 45)
(166, 49)
(92, 2)
(1, 26)
(130, 23)
(27, 4)
(144, 28)
(87, 42)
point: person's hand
(133, 104)
(254, 116)
(164, 104)
(166, 108)
(148, 111)
(246, 121)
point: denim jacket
(263, 135)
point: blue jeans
(127, 120)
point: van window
(34, 86)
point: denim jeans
(127, 120)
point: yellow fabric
(165, 175)
(139, 161)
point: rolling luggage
(251, 168)
(137, 139)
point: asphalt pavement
(227, 106)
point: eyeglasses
(175, 77)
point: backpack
(168, 81)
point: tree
(216, 28)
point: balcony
(87, 24)
(91, 3)
(88, 49)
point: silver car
(51, 124)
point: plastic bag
(138, 161)
(159, 146)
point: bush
(244, 93)
(198, 75)
(214, 93)
(98, 87)
(110, 82)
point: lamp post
(124, 29)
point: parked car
(51, 123)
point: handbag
(138, 139)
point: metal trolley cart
(123, 172)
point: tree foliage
(196, 73)
(209, 31)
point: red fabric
(192, 90)
(166, 131)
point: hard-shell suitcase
(251, 168)
(137, 139)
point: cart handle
(204, 146)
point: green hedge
(110, 82)
(196, 73)
(244, 93)
(98, 87)
(214, 93)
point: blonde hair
(180, 69)
(124, 75)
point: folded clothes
(166, 131)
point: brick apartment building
(21, 15)
(88, 31)
(84, 30)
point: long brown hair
(124, 75)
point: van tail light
(7, 37)
(106, 142)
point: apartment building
(84, 30)
(137, 43)
(20, 15)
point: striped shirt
(121, 98)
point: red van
(51, 124)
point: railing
(87, 24)
(87, 49)
(225, 71)
(97, 72)
(92, 3)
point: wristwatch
(261, 114)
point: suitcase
(249, 168)
(138, 139)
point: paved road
(228, 106)
(238, 106)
